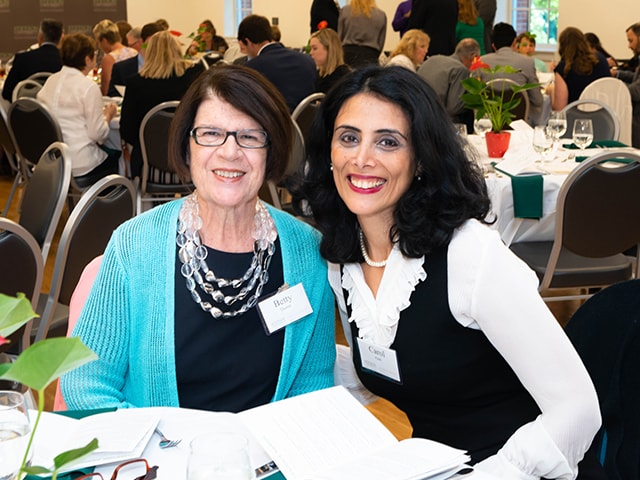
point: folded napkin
(527, 194)
(616, 160)
(598, 144)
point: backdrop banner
(20, 19)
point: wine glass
(219, 456)
(482, 125)
(557, 124)
(14, 433)
(542, 142)
(582, 132)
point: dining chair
(11, 154)
(26, 88)
(605, 332)
(597, 214)
(606, 125)
(101, 209)
(614, 93)
(33, 128)
(503, 86)
(44, 196)
(305, 112)
(40, 77)
(23, 268)
(159, 182)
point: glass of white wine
(582, 132)
(542, 142)
(482, 126)
(14, 433)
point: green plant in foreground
(37, 367)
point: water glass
(14, 433)
(582, 132)
(542, 142)
(557, 124)
(219, 456)
(482, 126)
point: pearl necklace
(192, 255)
(368, 260)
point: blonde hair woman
(108, 38)
(411, 50)
(469, 23)
(164, 76)
(362, 28)
(326, 51)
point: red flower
(323, 24)
(3, 340)
(175, 33)
(477, 64)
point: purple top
(400, 22)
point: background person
(437, 18)
(632, 78)
(108, 39)
(469, 23)
(410, 51)
(324, 11)
(206, 40)
(400, 22)
(526, 45)
(362, 28)
(326, 51)
(161, 339)
(418, 274)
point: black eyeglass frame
(227, 133)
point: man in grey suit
(503, 38)
(633, 81)
(444, 73)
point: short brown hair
(75, 48)
(247, 91)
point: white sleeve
(492, 290)
(97, 126)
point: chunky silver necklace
(199, 276)
(368, 260)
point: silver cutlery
(165, 442)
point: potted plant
(36, 368)
(485, 99)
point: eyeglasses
(215, 137)
(139, 467)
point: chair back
(502, 87)
(606, 125)
(33, 128)
(40, 77)
(305, 112)
(614, 93)
(100, 210)
(23, 268)
(597, 210)
(159, 181)
(26, 88)
(605, 332)
(11, 154)
(45, 194)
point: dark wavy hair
(448, 190)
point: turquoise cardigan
(128, 318)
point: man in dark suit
(438, 19)
(292, 73)
(45, 58)
(633, 81)
(129, 67)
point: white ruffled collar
(377, 318)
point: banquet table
(557, 166)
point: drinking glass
(14, 433)
(219, 456)
(542, 142)
(582, 132)
(557, 124)
(482, 125)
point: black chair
(40, 77)
(26, 88)
(305, 112)
(100, 210)
(22, 267)
(606, 125)
(33, 128)
(159, 183)
(11, 154)
(44, 196)
(597, 219)
(502, 87)
(606, 334)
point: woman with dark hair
(596, 46)
(206, 40)
(578, 67)
(443, 320)
(173, 313)
(76, 103)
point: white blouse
(490, 289)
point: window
(539, 17)
(244, 8)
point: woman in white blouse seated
(443, 320)
(76, 102)
(411, 50)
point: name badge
(284, 307)
(379, 359)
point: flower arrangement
(486, 100)
(37, 367)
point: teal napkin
(616, 160)
(598, 144)
(527, 195)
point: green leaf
(35, 470)
(71, 455)
(46, 360)
(14, 312)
